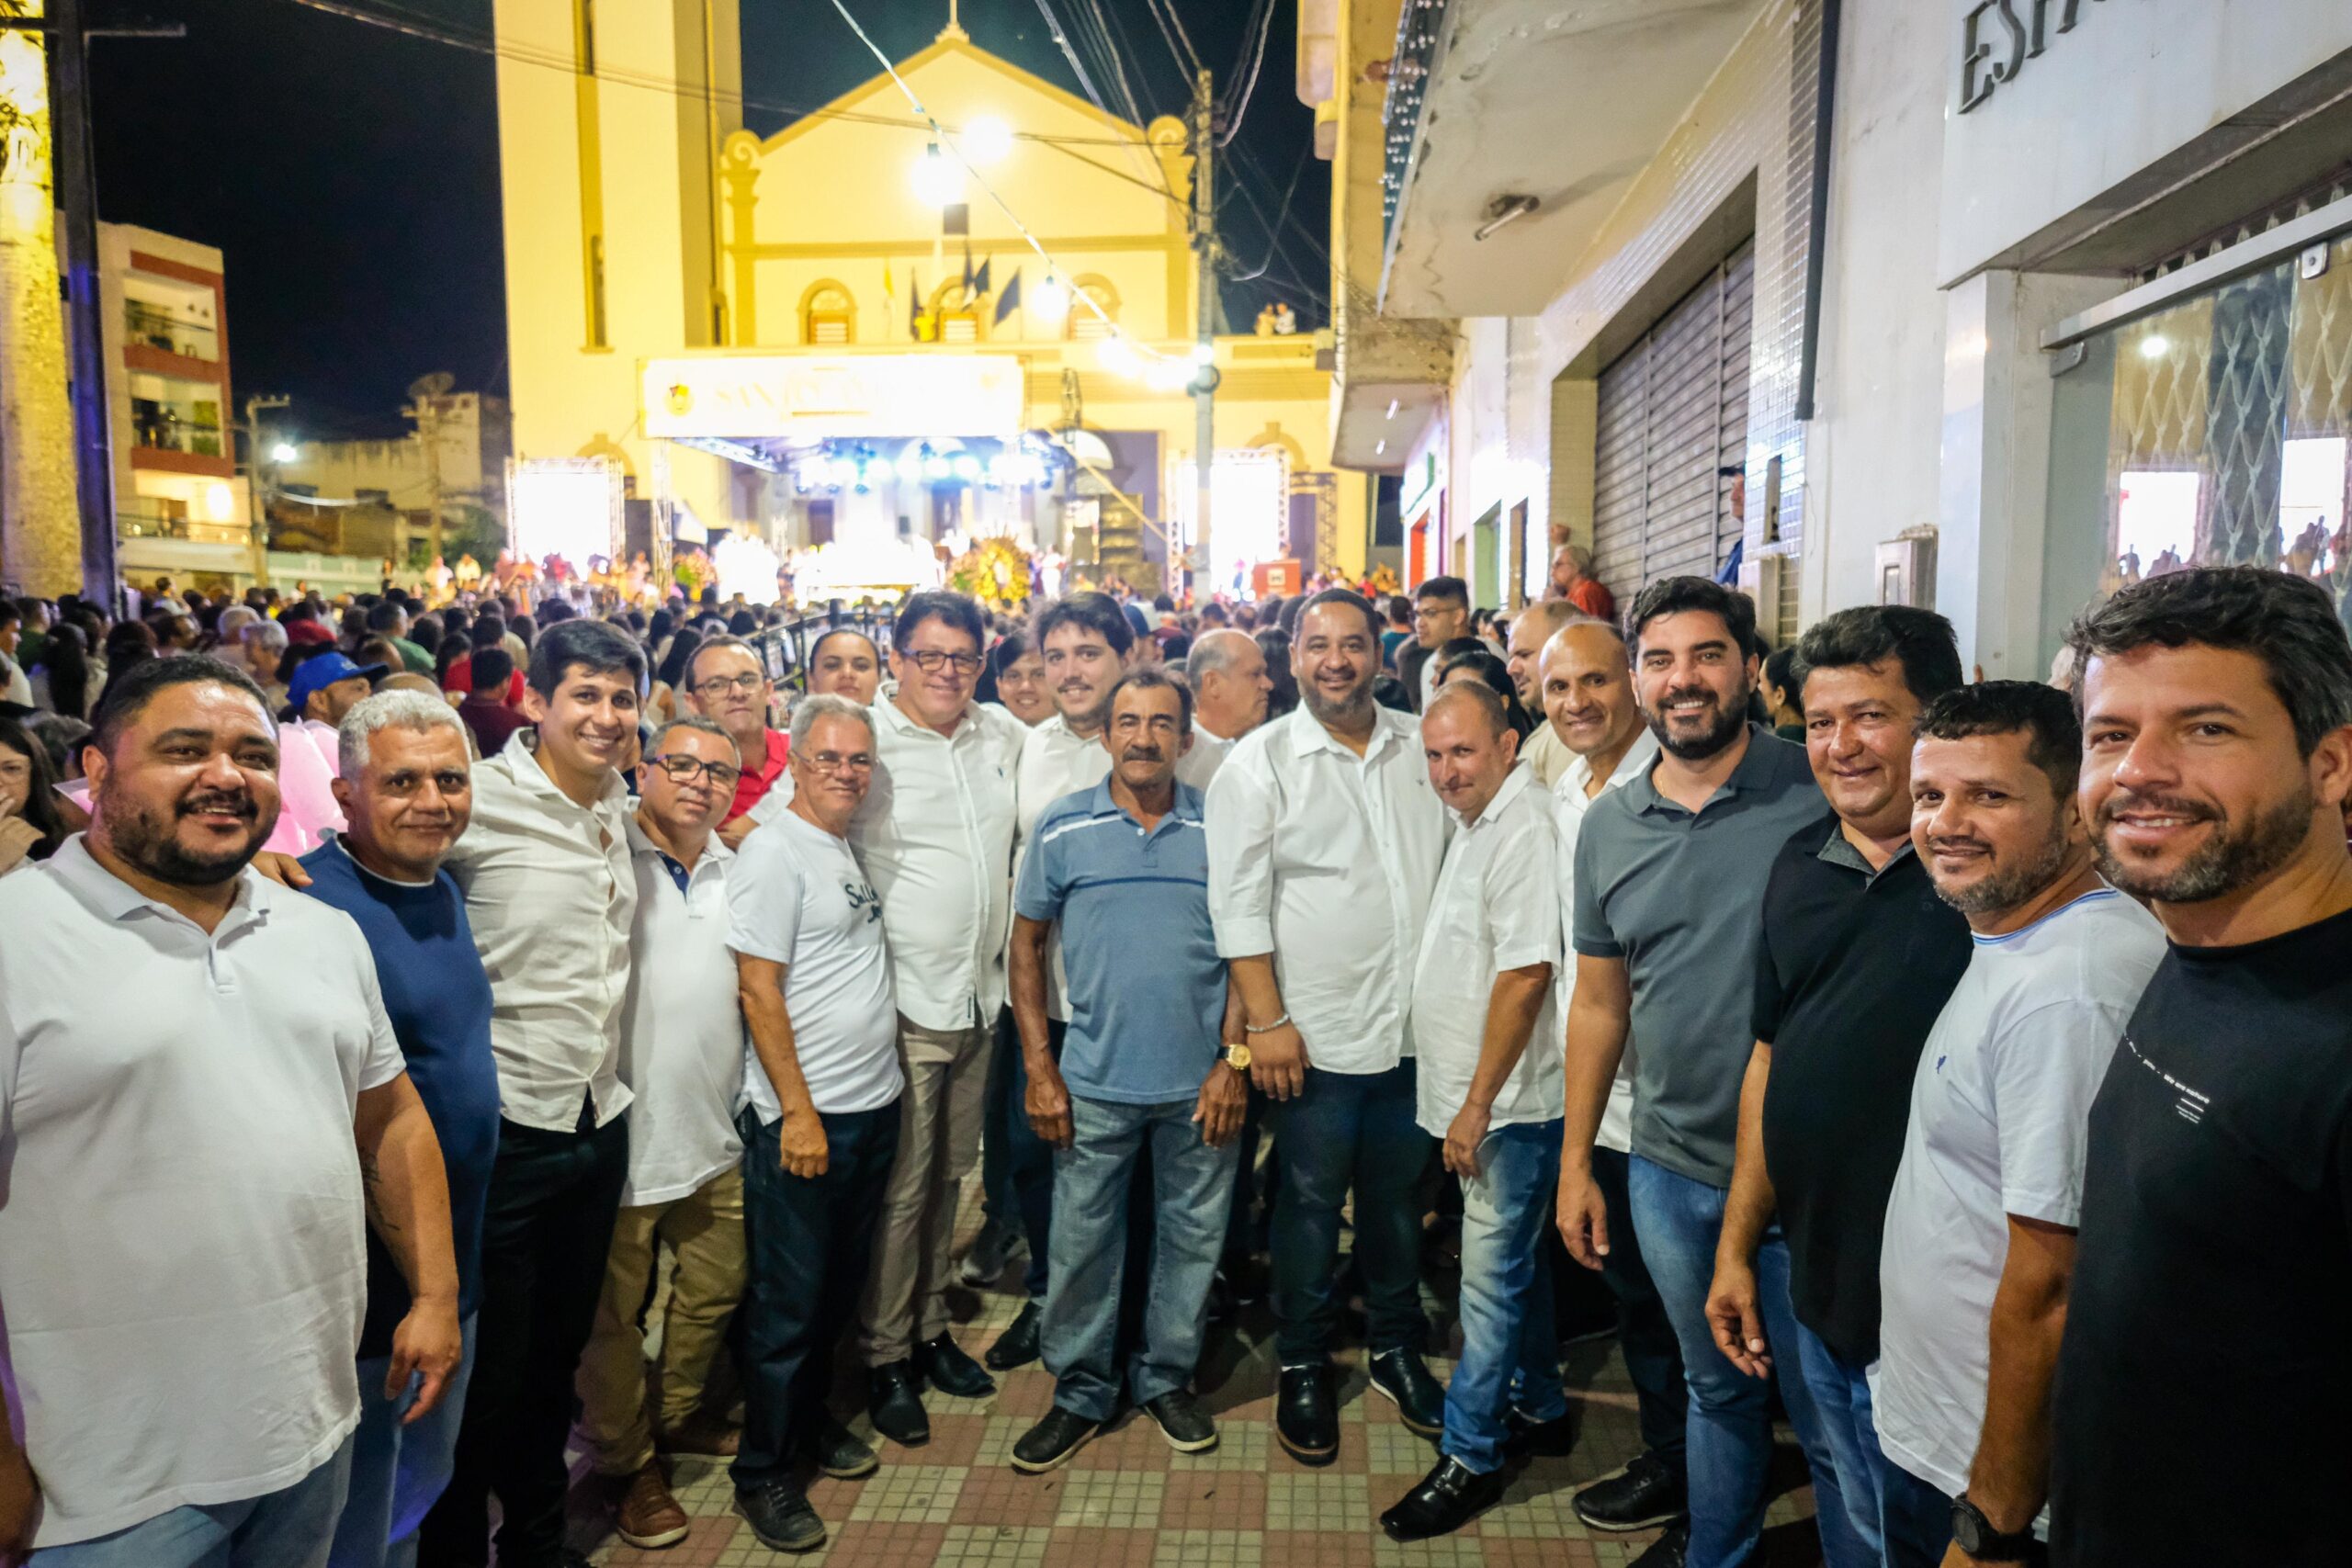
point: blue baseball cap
(320, 671)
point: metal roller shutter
(1672, 410)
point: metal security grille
(1673, 410)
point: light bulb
(938, 181)
(986, 140)
(1051, 303)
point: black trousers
(810, 1243)
(547, 1229)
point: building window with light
(828, 316)
(1083, 325)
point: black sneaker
(1447, 1498)
(780, 1516)
(1306, 1419)
(841, 1453)
(1181, 1421)
(1644, 1494)
(1544, 1440)
(1017, 1346)
(952, 1371)
(1668, 1550)
(990, 1250)
(894, 1398)
(1048, 1444)
(1421, 1403)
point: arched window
(956, 314)
(827, 315)
(1084, 325)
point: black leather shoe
(894, 1398)
(1647, 1494)
(1542, 1439)
(1421, 1403)
(1448, 1498)
(780, 1516)
(1307, 1418)
(951, 1372)
(1048, 1444)
(1668, 1550)
(841, 1453)
(1017, 1346)
(1181, 1421)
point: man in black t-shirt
(2216, 1253)
(1857, 957)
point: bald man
(1227, 674)
(1544, 751)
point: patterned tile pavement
(1128, 1501)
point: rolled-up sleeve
(1240, 819)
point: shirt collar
(907, 724)
(1311, 735)
(1183, 806)
(521, 755)
(1754, 771)
(641, 842)
(1635, 764)
(1838, 850)
(1513, 784)
(118, 899)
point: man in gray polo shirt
(1670, 871)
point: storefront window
(2211, 433)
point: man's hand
(17, 838)
(801, 1137)
(427, 1341)
(1736, 1320)
(1583, 1216)
(1462, 1138)
(735, 829)
(1225, 1099)
(20, 1496)
(1048, 1103)
(1278, 1061)
(282, 869)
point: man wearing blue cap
(322, 689)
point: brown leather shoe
(649, 1517)
(704, 1434)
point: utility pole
(1205, 377)
(256, 506)
(77, 198)
(424, 406)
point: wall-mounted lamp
(1504, 210)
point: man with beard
(187, 1055)
(727, 684)
(2208, 1293)
(1859, 955)
(1324, 844)
(1980, 1229)
(1121, 867)
(1086, 645)
(550, 893)
(1671, 870)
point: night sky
(349, 173)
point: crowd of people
(385, 993)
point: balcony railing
(167, 434)
(155, 328)
(137, 524)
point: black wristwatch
(1974, 1534)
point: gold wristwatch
(1236, 1057)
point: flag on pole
(889, 294)
(978, 284)
(969, 293)
(914, 306)
(1010, 300)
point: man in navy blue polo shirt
(1122, 867)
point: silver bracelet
(1249, 1028)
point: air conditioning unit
(1906, 568)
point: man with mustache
(1087, 644)
(1671, 870)
(189, 1055)
(1324, 844)
(2208, 1295)
(1980, 1229)
(1123, 868)
(550, 891)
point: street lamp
(987, 140)
(283, 452)
(937, 181)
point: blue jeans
(1646, 1335)
(1730, 1449)
(1841, 1397)
(1510, 1359)
(287, 1528)
(1916, 1519)
(1348, 1128)
(397, 1471)
(1191, 1192)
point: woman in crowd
(1481, 663)
(30, 826)
(1017, 676)
(63, 678)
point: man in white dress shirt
(1086, 645)
(1531, 631)
(1586, 685)
(551, 894)
(1226, 670)
(1491, 1089)
(1324, 840)
(188, 1053)
(682, 1055)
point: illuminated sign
(1248, 514)
(749, 397)
(568, 507)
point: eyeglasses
(683, 769)
(835, 763)
(718, 686)
(930, 661)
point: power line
(1061, 40)
(1274, 239)
(1248, 79)
(1180, 42)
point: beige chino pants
(939, 1142)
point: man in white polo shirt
(186, 1054)
(682, 1053)
(820, 1125)
(1324, 844)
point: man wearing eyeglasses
(727, 684)
(682, 1055)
